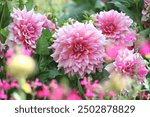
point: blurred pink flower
(113, 24)
(58, 93)
(14, 84)
(73, 95)
(129, 64)
(145, 49)
(89, 94)
(101, 95)
(112, 94)
(53, 84)
(78, 48)
(84, 82)
(144, 95)
(2, 95)
(90, 88)
(44, 93)
(37, 83)
(6, 85)
(26, 28)
(9, 53)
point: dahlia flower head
(129, 64)
(115, 26)
(26, 28)
(79, 48)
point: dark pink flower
(2, 95)
(44, 93)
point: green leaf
(123, 8)
(4, 15)
(145, 33)
(43, 43)
(99, 4)
(4, 32)
(54, 73)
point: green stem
(80, 87)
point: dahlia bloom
(26, 28)
(113, 24)
(129, 64)
(145, 49)
(78, 48)
(112, 51)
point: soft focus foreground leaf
(4, 14)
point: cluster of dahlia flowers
(81, 48)
(26, 28)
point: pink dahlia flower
(129, 64)
(113, 24)
(78, 48)
(112, 51)
(26, 28)
(145, 49)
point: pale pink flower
(58, 93)
(129, 64)
(112, 94)
(26, 28)
(112, 51)
(145, 49)
(78, 48)
(101, 95)
(113, 24)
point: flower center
(129, 68)
(78, 48)
(109, 28)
